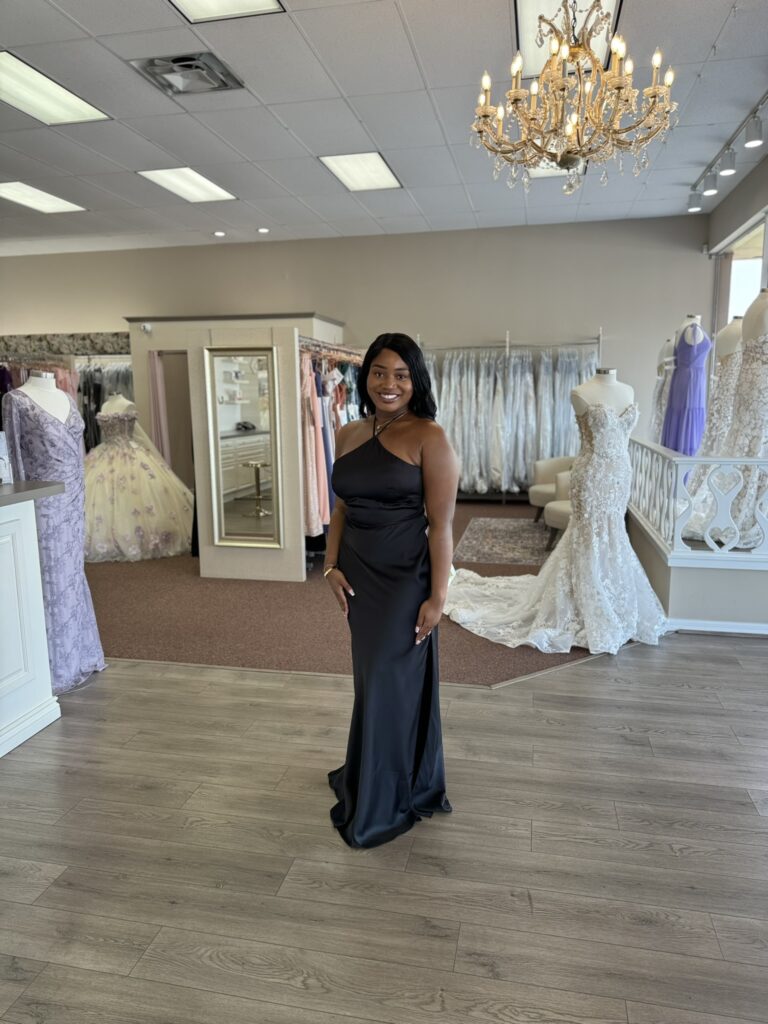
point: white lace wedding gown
(748, 437)
(592, 592)
(719, 417)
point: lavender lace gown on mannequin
(686, 413)
(41, 447)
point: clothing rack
(507, 345)
(340, 352)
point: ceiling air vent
(195, 72)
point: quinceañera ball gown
(592, 591)
(135, 505)
(394, 773)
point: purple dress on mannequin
(686, 415)
(41, 447)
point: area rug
(503, 542)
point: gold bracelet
(328, 570)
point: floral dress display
(135, 505)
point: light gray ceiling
(331, 76)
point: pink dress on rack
(313, 524)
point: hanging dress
(686, 412)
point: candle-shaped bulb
(669, 77)
(588, 86)
(622, 50)
(568, 128)
(565, 51)
(656, 59)
(500, 113)
(629, 67)
(481, 100)
(615, 44)
(573, 118)
(486, 82)
(554, 45)
(517, 64)
(535, 87)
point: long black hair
(422, 402)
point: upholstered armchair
(557, 513)
(542, 490)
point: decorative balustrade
(661, 502)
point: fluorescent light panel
(37, 95)
(534, 56)
(361, 172)
(216, 10)
(26, 195)
(188, 184)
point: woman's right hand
(340, 586)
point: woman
(395, 474)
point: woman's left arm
(440, 472)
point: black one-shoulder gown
(394, 773)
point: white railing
(661, 501)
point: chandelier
(575, 111)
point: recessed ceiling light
(188, 184)
(219, 234)
(728, 162)
(263, 231)
(215, 10)
(25, 195)
(694, 201)
(527, 19)
(37, 95)
(361, 172)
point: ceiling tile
(243, 214)
(185, 138)
(118, 143)
(134, 189)
(692, 146)
(620, 187)
(475, 165)
(501, 218)
(228, 99)
(663, 185)
(456, 110)
(334, 207)
(12, 119)
(358, 226)
(184, 215)
(423, 165)
(99, 77)
(496, 196)
(306, 176)
(290, 212)
(452, 222)
(403, 225)
(254, 132)
(271, 57)
(392, 202)
(685, 38)
(660, 208)
(82, 192)
(305, 5)
(242, 180)
(319, 230)
(35, 21)
(604, 211)
(171, 42)
(456, 42)
(446, 199)
(744, 34)
(15, 166)
(326, 127)
(103, 17)
(552, 215)
(400, 120)
(726, 91)
(341, 36)
(51, 148)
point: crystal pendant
(526, 180)
(604, 177)
(620, 163)
(497, 163)
(512, 178)
(644, 161)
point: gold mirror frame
(221, 537)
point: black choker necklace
(378, 429)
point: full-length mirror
(242, 397)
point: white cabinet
(26, 702)
(236, 476)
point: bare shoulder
(432, 435)
(350, 436)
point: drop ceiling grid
(397, 75)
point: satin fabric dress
(394, 773)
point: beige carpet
(163, 611)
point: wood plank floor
(166, 855)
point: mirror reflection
(244, 460)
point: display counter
(27, 704)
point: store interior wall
(177, 403)
(548, 284)
(741, 208)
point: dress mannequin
(729, 338)
(755, 322)
(603, 389)
(686, 412)
(41, 388)
(666, 355)
(690, 336)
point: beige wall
(741, 208)
(546, 284)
